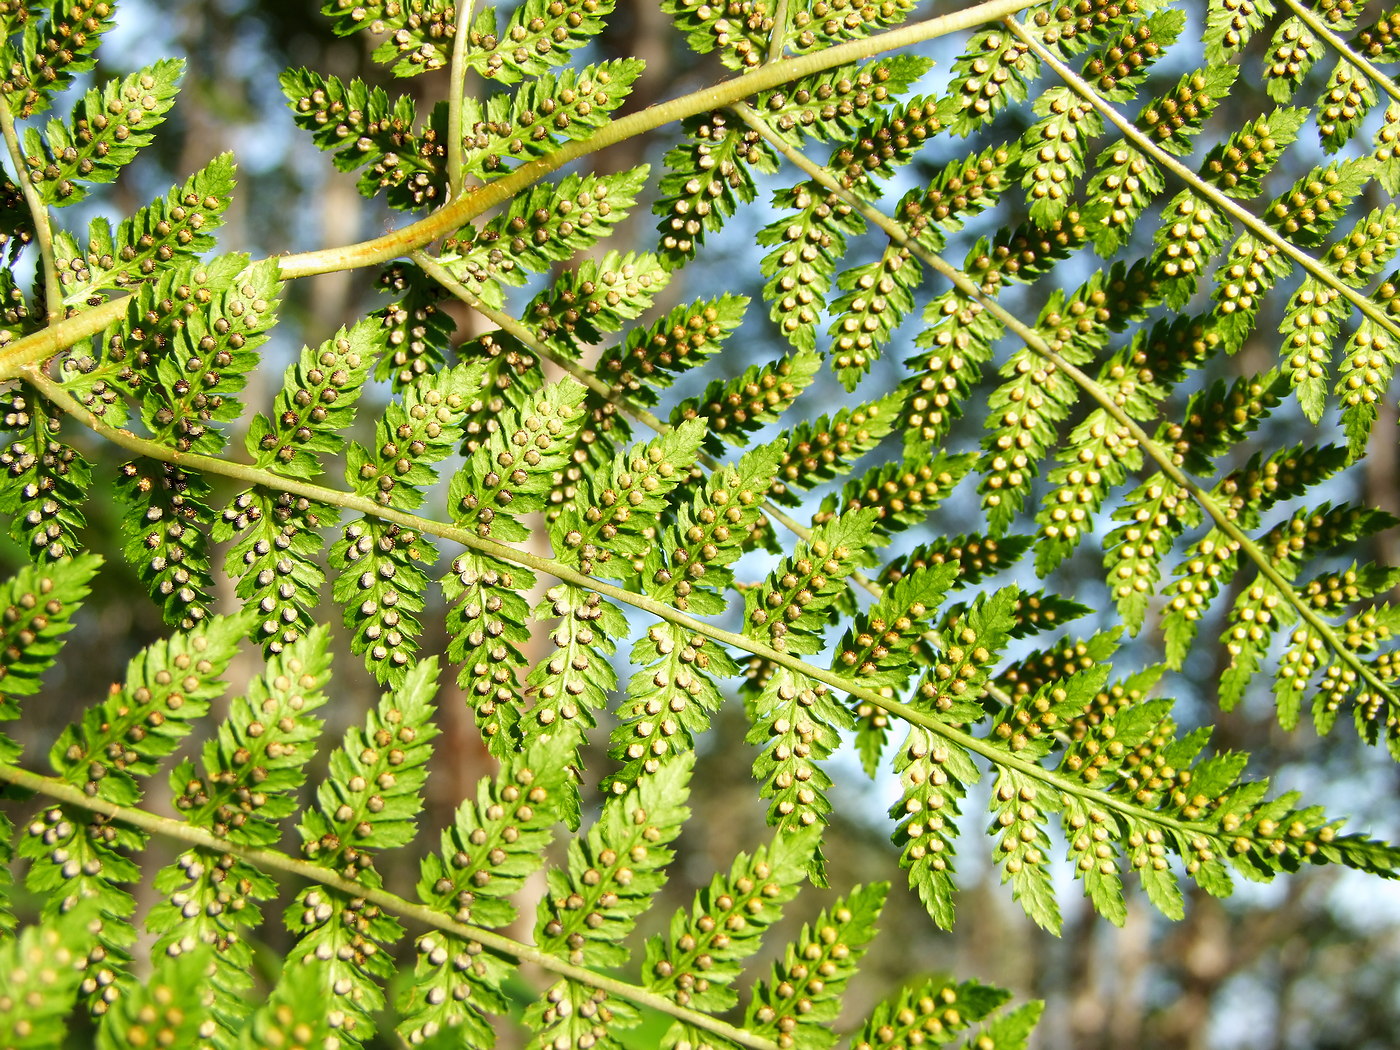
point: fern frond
(992, 72)
(168, 231)
(546, 110)
(736, 407)
(806, 239)
(709, 28)
(788, 609)
(418, 37)
(803, 995)
(512, 471)
(881, 646)
(52, 50)
(600, 296)
(380, 584)
(821, 26)
(938, 1009)
(42, 969)
(1053, 151)
(108, 127)
(976, 556)
(698, 958)
(370, 802)
(363, 128)
(618, 512)
(825, 448)
(612, 877)
(1365, 372)
(487, 622)
(837, 102)
(83, 855)
(900, 494)
(316, 404)
(44, 483)
(707, 176)
(650, 357)
(669, 700)
(171, 1007)
(196, 361)
(495, 842)
(877, 297)
(1124, 183)
(1343, 105)
(548, 224)
(539, 35)
(1317, 201)
(416, 328)
(958, 337)
(39, 604)
(166, 541)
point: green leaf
(650, 357)
(734, 408)
(802, 997)
(209, 909)
(511, 473)
(548, 224)
(538, 35)
(108, 127)
(316, 404)
(164, 521)
(168, 685)
(249, 773)
(547, 109)
(669, 699)
(1091, 833)
(418, 38)
(933, 774)
(787, 610)
(43, 485)
(876, 298)
(699, 957)
(372, 797)
(707, 176)
(381, 585)
(171, 1007)
(836, 102)
(39, 602)
(54, 48)
(40, 971)
(1023, 848)
(822, 449)
(487, 623)
(171, 229)
(615, 871)
(931, 1007)
(618, 510)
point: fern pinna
(1071, 342)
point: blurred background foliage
(1312, 961)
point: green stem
(764, 78)
(1203, 189)
(1106, 401)
(1310, 19)
(456, 89)
(58, 337)
(273, 860)
(778, 39)
(38, 211)
(459, 212)
(250, 475)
